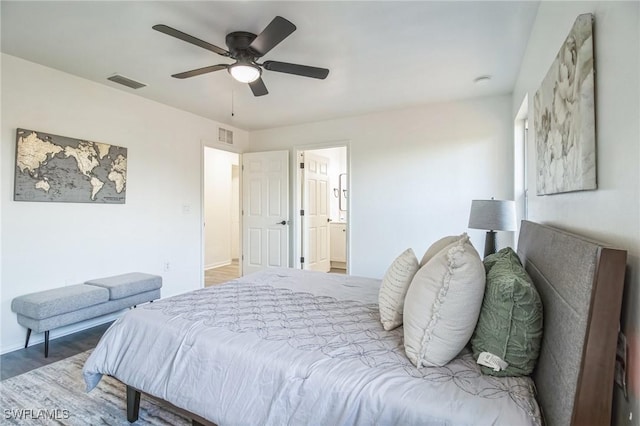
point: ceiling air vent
(225, 135)
(126, 81)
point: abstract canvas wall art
(564, 116)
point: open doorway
(322, 196)
(221, 231)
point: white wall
(218, 206)
(46, 245)
(413, 173)
(611, 213)
(2, 167)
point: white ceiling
(381, 55)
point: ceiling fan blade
(258, 88)
(190, 39)
(199, 71)
(277, 30)
(303, 70)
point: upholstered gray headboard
(581, 283)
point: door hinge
(301, 212)
(302, 165)
(302, 260)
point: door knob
(284, 222)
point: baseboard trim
(37, 338)
(217, 264)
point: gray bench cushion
(67, 318)
(45, 304)
(125, 285)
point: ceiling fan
(246, 48)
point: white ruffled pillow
(437, 246)
(443, 303)
(394, 289)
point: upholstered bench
(49, 309)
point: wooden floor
(24, 360)
(222, 274)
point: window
(520, 169)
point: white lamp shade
(244, 73)
(494, 215)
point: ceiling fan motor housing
(238, 43)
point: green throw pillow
(491, 260)
(510, 322)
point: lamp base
(490, 243)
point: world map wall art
(59, 168)
(564, 116)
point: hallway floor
(221, 274)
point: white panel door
(316, 212)
(265, 205)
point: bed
(284, 346)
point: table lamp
(493, 215)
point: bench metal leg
(133, 404)
(26, 344)
(46, 344)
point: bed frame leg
(133, 404)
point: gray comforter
(284, 346)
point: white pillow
(443, 303)
(394, 288)
(437, 246)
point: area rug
(55, 394)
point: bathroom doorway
(322, 196)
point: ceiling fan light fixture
(245, 73)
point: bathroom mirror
(342, 192)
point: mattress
(284, 346)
